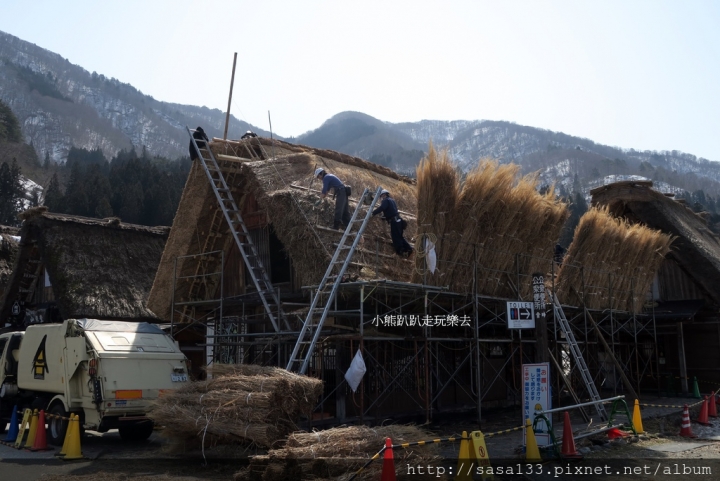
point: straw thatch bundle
(337, 453)
(437, 193)
(238, 404)
(494, 218)
(619, 261)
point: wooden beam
(230, 158)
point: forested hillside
(136, 187)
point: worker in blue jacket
(342, 209)
(388, 208)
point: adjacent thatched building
(273, 185)
(70, 267)
(686, 290)
(8, 251)
(692, 267)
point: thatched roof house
(274, 187)
(82, 267)
(8, 252)
(692, 267)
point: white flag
(356, 371)
(431, 256)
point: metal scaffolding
(429, 351)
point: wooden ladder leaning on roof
(309, 334)
(231, 212)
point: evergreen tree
(9, 125)
(11, 194)
(54, 199)
(76, 200)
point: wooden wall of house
(702, 353)
(268, 246)
(673, 284)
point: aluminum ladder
(299, 361)
(577, 355)
(231, 212)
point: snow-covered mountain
(61, 105)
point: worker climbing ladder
(231, 212)
(310, 332)
(577, 355)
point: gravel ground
(156, 460)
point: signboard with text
(520, 315)
(536, 398)
(538, 286)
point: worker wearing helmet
(248, 135)
(388, 208)
(342, 210)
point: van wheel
(57, 427)
(136, 432)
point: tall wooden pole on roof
(232, 81)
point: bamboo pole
(232, 81)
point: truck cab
(107, 372)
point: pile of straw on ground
(239, 404)
(493, 216)
(339, 452)
(619, 261)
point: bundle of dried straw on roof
(619, 261)
(493, 221)
(238, 404)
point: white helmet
(319, 171)
(384, 192)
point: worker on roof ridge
(248, 135)
(201, 140)
(388, 208)
(342, 210)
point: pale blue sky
(634, 74)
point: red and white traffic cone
(685, 428)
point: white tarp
(431, 256)
(356, 371)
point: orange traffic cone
(568, 442)
(685, 429)
(40, 443)
(703, 416)
(388, 471)
(712, 406)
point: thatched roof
(493, 223)
(610, 262)
(696, 249)
(273, 183)
(8, 253)
(98, 268)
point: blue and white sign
(520, 315)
